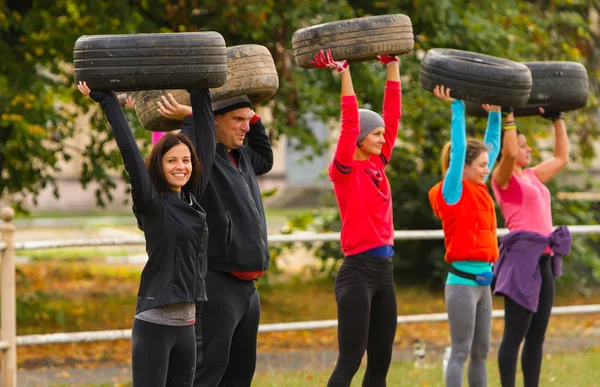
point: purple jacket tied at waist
(517, 270)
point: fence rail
(79, 337)
(273, 238)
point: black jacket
(175, 230)
(234, 210)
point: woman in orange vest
(463, 203)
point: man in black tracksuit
(227, 326)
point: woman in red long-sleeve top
(364, 287)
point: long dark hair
(154, 163)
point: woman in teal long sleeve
(463, 203)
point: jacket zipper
(229, 235)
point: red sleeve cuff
(349, 100)
(254, 119)
(393, 85)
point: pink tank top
(525, 203)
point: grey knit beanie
(369, 121)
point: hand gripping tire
(145, 106)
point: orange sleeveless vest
(469, 225)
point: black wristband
(507, 110)
(556, 117)
(552, 116)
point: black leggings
(162, 355)
(519, 324)
(366, 305)
(226, 332)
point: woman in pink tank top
(525, 204)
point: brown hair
(154, 163)
(474, 149)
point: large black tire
(145, 106)
(354, 39)
(557, 86)
(476, 77)
(151, 61)
(251, 71)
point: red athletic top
(361, 187)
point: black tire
(354, 39)
(151, 61)
(145, 106)
(476, 77)
(557, 86)
(250, 71)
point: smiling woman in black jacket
(165, 196)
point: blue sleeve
(492, 138)
(452, 186)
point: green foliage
(37, 101)
(581, 268)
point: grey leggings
(470, 317)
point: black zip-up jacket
(175, 230)
(234, 209)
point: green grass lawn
(581, 369)
(577, 369)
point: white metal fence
(273, 238)
(8, 247)
(124, 334)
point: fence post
(8, 299)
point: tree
(36, 89)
